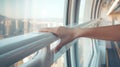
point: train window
(84, 44)
(81, 11)
(79, 46)
(23, 16)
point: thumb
(61, 44)
(58, 47)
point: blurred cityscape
(11, 27)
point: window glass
(24, 16)
(83, 43)
(81, 11)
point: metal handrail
(13, 51)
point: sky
(32, 8)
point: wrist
(81, 32)
(78, 32)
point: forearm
(104, 33)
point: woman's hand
(65, 34)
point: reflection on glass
(81, 11)
(59, 63)
(24, 16)
(81, 41)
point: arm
(104, 33)
(68, 34)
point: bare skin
(69, 34)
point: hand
(65, 34)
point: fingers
(47, 30)
(52, 30)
